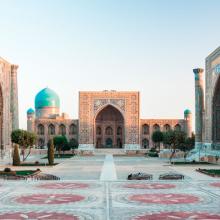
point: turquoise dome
(30, 111)
(187, 112)
(47, 98)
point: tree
(157, 137)
(24, 139)
(175, 139)
(190, 142)
(50, 152)
(16, 157)
(59, 142)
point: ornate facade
(106, 119)
(207, 101)
(8, 102)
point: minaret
(14, 97)
(199, 106)
(188, 122)
(30, 120)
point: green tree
(60, 142)
(24, 139)
(175, 139)
(157, 137)
(190, 142)
(50, 152)
(16, 157)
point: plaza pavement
(95, 187)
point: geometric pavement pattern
(137, 200)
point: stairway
(113, 151)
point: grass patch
(25, 172)
(19, 173)
(210, 172)
(61, 156)
(191, 163)
(36, 165)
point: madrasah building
(107, 119)
(8, 102)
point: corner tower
(199, 106)
(30, 120)
(188, 122)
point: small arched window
(145, 129)
(98, 131)
(119, 131)
(62, 129)
(40, 129)
(73, 129)
(177, 127)
(145, 143)
(166, 127)
(41, 142)
(156, 127)
(109, 131)
(51, 129)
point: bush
(8, 170)
(36, 162)
(153, 154)
(50, 152)
(16, 157)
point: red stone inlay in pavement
(63, 185)
(215, 184)
(149, 186)
(164, 198)
(42, 199)
(178, 215)
(37, 216)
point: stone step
(113, 151)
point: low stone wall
(210, 159)
(168, 154)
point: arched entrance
(216, 116)
(1, 119)
(108, 142)
(109, 128)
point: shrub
(16, 157)
(7, 169)
(153, 154)
(36, 162)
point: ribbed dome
(30, 111)
(187, 112)
(47, 98)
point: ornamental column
(199, 106)
(14, 97)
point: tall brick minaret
(14, 97)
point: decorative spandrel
(98, 103)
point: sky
(149, 46)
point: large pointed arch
(109, 118)
(1, 117)
(216, 114)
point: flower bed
(210, 172)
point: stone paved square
(82, 195)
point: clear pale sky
(149, 46)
